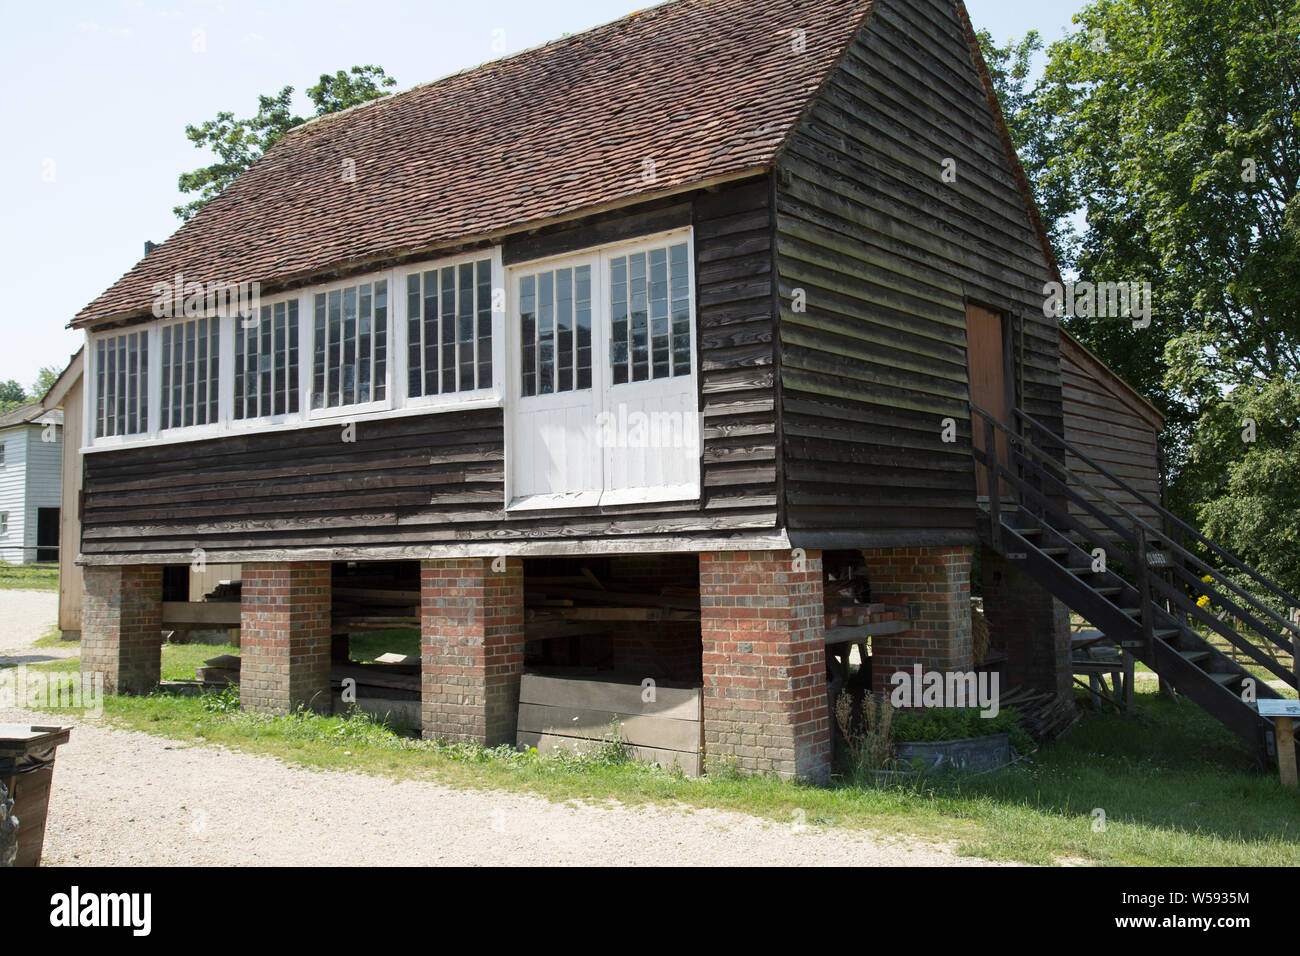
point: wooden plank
(677, 703)
(1286, 762)
(214, 613)
(658, 732)
(847, 635)
(690, 764)
(613, 614)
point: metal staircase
(1145, 595)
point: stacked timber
(573, 605)
(379, 605)
(1043, 715)
(390, 681)
(218, 671)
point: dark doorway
(47, 535)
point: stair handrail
(1222, 552)
(1174, 546)
(1032, 451)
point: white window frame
(492, 394)
(599, 258)
(90, 391)
(189, 432)
(235, 324)
(345, 412)
(395, 403)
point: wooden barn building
(647, 355)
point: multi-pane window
(350, 364)
(449, 329)
(555, 330)
(650, 315)
(190, 373)
(122, 384)
(266, 362)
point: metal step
(1193, 656)
(1225, 678)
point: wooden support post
(1286, 766)
(1294, 617)
(1144, 596)
(994, 485)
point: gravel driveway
(124, 798)
(25, 616)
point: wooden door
(986, 355)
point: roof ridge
(539, 135)
(504, 58)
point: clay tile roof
(703, 88)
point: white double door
(603, 405)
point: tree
(44, 379)
(238, 143)
(1173, 124)
(11, 396)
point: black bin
(27, 754)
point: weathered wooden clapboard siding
(888, 255)
(423, 480)
(733, 277)
(1112, 425)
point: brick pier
(284, 637)
(938, 580)
(121, 631)
(472, 649)
(764, 657)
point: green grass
(178, 660)
(30, 577)
(1176, 788)
(52, 637)
(367, 645)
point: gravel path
(125, 798)
(25, 616)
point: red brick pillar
(1030, 625)
(284, 637)
(472, 638)
(121, 630)
(938, 580)
(764, 653)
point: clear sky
(101, 92)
